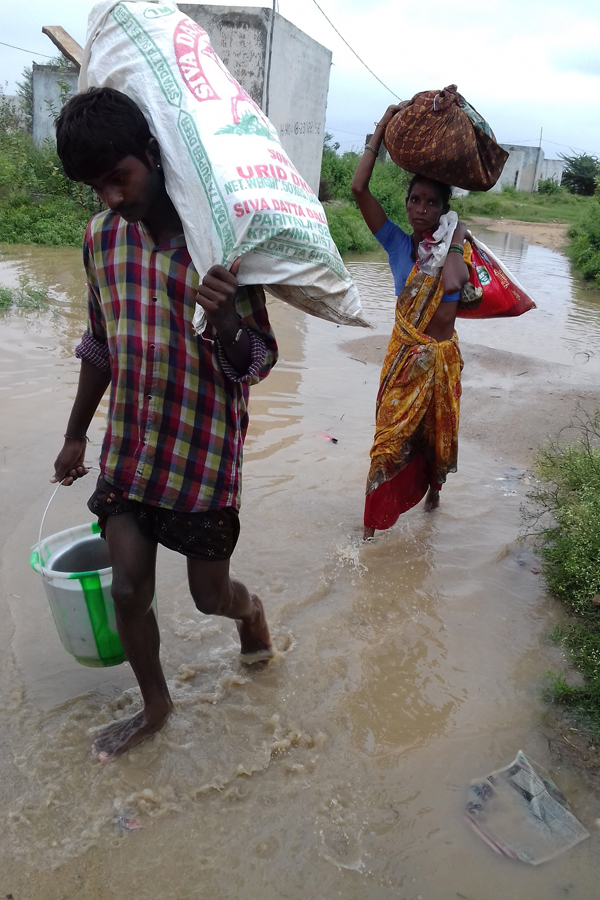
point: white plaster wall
(240, 36)
(47, 99)
(523, 168)
(532, 168)
(284, 71)
(553, 168)
(297, 101)
(513, 167)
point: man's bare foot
(368, 533)
(255, 638)
(432, 500)
(120, 737)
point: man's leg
(216, 594)
(133, 560)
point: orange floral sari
(418, 405)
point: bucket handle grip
(52, 496)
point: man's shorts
(210, 535)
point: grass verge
(565, 524)
(585, 247)
(511, 204)
(28, 297)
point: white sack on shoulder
(235, 190)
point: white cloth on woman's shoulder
(433, 249)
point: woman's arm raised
(371, 209)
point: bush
(38, 203)
(585, 248)
(548, 186)
(565, 526)
(581, 173)
(388, 183)
(349, 230)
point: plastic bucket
(77, 576)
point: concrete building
(525, 167)
(553, 168)
(51, 84)
(285, 72)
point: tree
(25, 95)
(327, 142)
(580, 173)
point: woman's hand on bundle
(390, 113)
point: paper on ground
(522, 815)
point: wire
(355, 53)
(33, 53)
(341, 130)
(546, 141)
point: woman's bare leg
(368, 533)
(432, 500)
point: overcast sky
(524, 64)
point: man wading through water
(177, 418)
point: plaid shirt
(178, 412)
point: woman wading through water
(416, 434)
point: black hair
(96, 130)
(443, 191)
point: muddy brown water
(404, 668)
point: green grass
(347, 226)
(510, 204)
(28, 297)
(348, 229)
(38, 203)
(53, 221)
(585, 246)
(565, 525)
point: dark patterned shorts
(210, 535)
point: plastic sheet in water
(522, 815)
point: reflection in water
(404, 668)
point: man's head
(103, 139)
(426, 202)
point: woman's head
(426, 202)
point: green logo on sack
(157, 12)
(248, 124)
(483, 275)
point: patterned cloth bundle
(439, 135)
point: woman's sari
(418, 404)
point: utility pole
(537, 161)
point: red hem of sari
(385, 505)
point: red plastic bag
(502, 294)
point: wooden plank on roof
(67, 45)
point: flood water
(405, 668)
